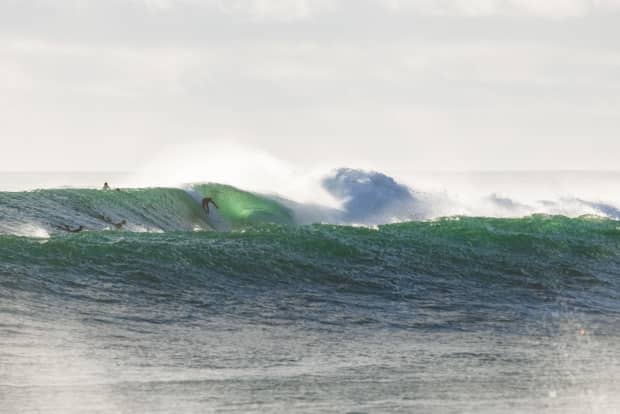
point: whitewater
(343, 196)
(345, 290)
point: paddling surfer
(106, 187)
(68, 229)
(118, 226)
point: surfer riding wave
(205, 204)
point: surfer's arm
(214, 204)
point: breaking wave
(362, 198)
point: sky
(112, 85)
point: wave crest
(363, 198)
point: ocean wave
(459, 260)
(362, 198)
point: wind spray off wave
(362, 198)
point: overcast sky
(410, 84)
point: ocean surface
(390, 299)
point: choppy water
(449, 315)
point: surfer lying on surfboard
(118, 225)
(205, 204)
(68, 229)
(108, 220)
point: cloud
(290, 10)
(534, 8)
(257, 10)
(313, 79)
(277, 9)
(297, 10)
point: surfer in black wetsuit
(205, 204)
(118, 225)
(68, 229)
(106, 186)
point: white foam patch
(31, 230)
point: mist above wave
(370, 197)
(354, 197)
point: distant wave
(364, 197)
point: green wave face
(242, 208)
(500, 258)
(164, 209)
